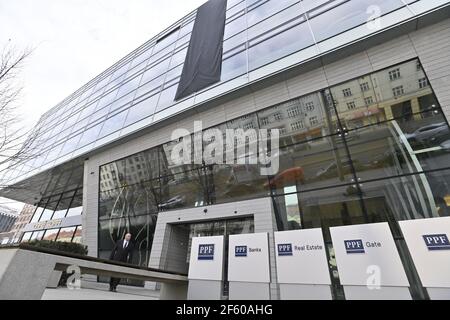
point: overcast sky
(75, 40)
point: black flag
(203, 64)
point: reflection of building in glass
(384, 95)
(8, 217)
(301, 118)
(8, 221)
(22, 220)
(364, 134)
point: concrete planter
(54, 279)
(26, 273)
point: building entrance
(179, 249)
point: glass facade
(65, 205)
(66, 234)
(354, 153)
(142, 85)
(371, 149)
(52, 212)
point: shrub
(67, 247)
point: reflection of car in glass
(289, 176)
(446, 146)
(349, 136)
(174, 202)
(331, 170)
(237, 180)
(387, 159)
(241, 174)
(429, 133)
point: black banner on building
(203, 64)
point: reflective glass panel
(66, 234)
(327, 21)
(77, 237)
(50, 235)
(279, 45)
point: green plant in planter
(66, 247)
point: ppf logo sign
(285, 250)
(354, 246)
(436, 242)
(240, 251)
(206, 252)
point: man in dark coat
(122, 252)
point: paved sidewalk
(90, 294)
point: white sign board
(248, 258)
(428, 243)
(206, 261)
(301, 257)
(366, 255)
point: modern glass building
(357, 89)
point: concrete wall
(431, 45)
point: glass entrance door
(181, 241)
